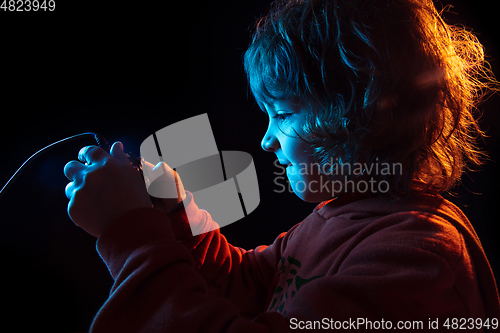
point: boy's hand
(103, 188)
(167, 191)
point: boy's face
(304, 175)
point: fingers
(91, 154)
(163, 182)
(117, 152)
(86, 155)
(72, 169)
(70, 190)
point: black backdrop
(126, 70)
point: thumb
(117, 152)
(164, 182)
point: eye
(282, 116)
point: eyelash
(282, 116)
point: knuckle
(88, 177)
(68, 168)
(106, 163)
(82, 154)
(87, 181)
(69, 190)
(109, 162)
(97, 172)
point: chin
(311, 197)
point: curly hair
(384, 81)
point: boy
(348, 85)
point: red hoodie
(365, 264)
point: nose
(269, 143)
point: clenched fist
(103, 187)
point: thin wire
(38, 152)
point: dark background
(125, 71)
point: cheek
(297, 151)
(304, 175)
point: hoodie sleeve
(160, 284)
